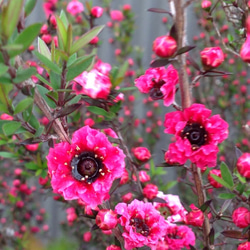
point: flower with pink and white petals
(93, 84)
(164, 46)
(106, 219)
(142, 224)
(241, 217)
(197, 135)
(102, 67)
(159, 83)
(212, 57)
(243, 165)
(74, 7)
(86, 168)
(172, 210)
(176, 238)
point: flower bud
(195, 217)
(150, 191)
(116, 15)
(142, 153)
(205, 4)
(241, 217)
(106, 219)
(113, 247)
(96, 11)
(212, 181)
(244, 246)
(87, 236)
(243, 165)
(164, 46)
(245, 50)
(212, 57)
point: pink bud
(164, 46)
(32, 147)
(116, 15)
(243, 165)
(241, 217)
(212, 57)
(212, 181)
(142, 153)
(126, 7)
(96, 11)
(106, 219)
(127, 197)
(195, 217)
(150, 191)
(6, 117)
(245, 245)
(87, 236)
(205, 4)
(113, 247)
(95, 40)
(245, 50)
(47, 38)
(143, 176)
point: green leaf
(221, 181)
(80, 65)
(43, 91)
(39, 131)
(71, 60)
(10, 127)
(64, 19)
(127, 89)
(69, 38)
(42, 79)
(55, 80)
(3, 108)
(100, 111)
(13, 47)
(169, 185)
(226, 174)
(43, 49)
(85, 39)
(10, 16)
(119, 75)
(7, 155)
(29, 6)
(34, 122)
(25, 38)
(62, 33)
(3, 69)
(226, 196)
(49, 65)
(76, 99)
(24, 74)
(31, 166)
(22, 105)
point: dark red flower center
(86, 167)
(155, 93)
(174, 234)
(196, 134)
(140, 226)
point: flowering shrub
(72, 127)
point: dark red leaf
(158, 10)
(184, 49)
(160, 62)
(234, 234)
(68, 110)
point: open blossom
(102, 67)
(86, 168)
(212, 57)
(243, 165)
(142, 224)
(49, 7)
(172, 210)
(245, 50)
(159, 83)
(93, 83)
(197, 135)
(74, 7)
(142, 153)
(176, 238)
(164, 46)
(241, 217)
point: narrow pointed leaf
(62, 32)
(29, 6)
(160, 62)
(226, 196)
(24, 74)
(7, 155)
(64, 19)
(159, 10)
(238, 152)
(211, 236)
(205, 206)
(43, 49)
(22, 105)
(221, 181)
(67, 110)
(234, 234)
(184, 50)
(85, 39)
(226, 174)
(3, 69)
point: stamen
(77, 148)
(83, 179)
(96, 156)
(65, 163)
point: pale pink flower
(74, 7)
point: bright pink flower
(113, 247)
(197, 135)
(164, 46)
(96, 11)
(94, 41)
(90, 122)
(49, 7)
(244, 246)
(143, 176)
(93, 83)
(241, 217)
(6, 117)
(195, 217)
(127, 197)
(106, 219)
(176, 238)
(243, 165)
(159, 83)
(32, 147)
(150, 191)
(142, 224)
(116, 15)
(74, 7)
(127, 7)
(87, 236)
(142, 153)
(245, 50)
(47, 38)
(211, 180)
(212, 57)
(71, 215)
(110, 132)
(206, 4)
(86, 168)
(172, 210)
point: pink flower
(106, 219)
(143, 176)
(212, 57)
(241, 217)
(116, 15)
(142, 153)
(6, 117)
(74, 7)
(176, 238)
(93, 83)
(127, 197)
(113, 247)
(32, 147)
(206, 4)
(245, 50)
(102, 67)
(159, 83)
(195, 217)
(197, 135)
(243, 165)
(87, 236)
(211, 180)
(150, 191)
(142, 224)
(86, 168)
(172, 210)
(164, 46)
(96, 11)
(49, 7)
(244, 246)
